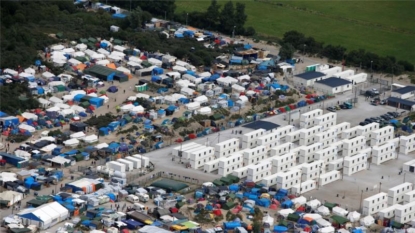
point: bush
(250, 31)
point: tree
(134, 18)
(240, 18)
(250, 31)
(227, 18)
(295, 38)
(286, 51)
(212, 15)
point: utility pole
(392, 79)
(218, 137)
(380, 186)
(361, 200)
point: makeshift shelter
(170, 185)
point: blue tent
(112, 89)
(114, 125)
(184, 100)
(104, 131)
(247, 46)
(287, 204)
(3, 114)
(40, 90)
(171, 108)
(31, 215)
(214, 77)
(103, 45)
(236, 60)
(275, 86)
(157, 70)
(191, 72)
(119, 16)
(97, 102)
(78, 97)
(155, 79)
(178, 35)
(132, 224)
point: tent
(45, 215)
(112, 89)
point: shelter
(401, 103)
(404, 92)
(308, 78)
(45, 216)
(170, 185)
(103, 72)
(333, 85)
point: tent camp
(45, 215)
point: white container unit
(339, 128)
(270, 180)
(283, 163)
(116, 166)
(304, 187)
(176, 150)
(367, 129)
(129, 166)
(407, 144)
(254, 155)
(312, 170)
(227, 165)
(281, 149)
(327, 155)
(405, 213)
(357, 78)
(306, 119)
(344, 74)
(382, 135)
(409, 197)
(136, 162)
(307, 152)
(351, 132)
(396, 194)
(211, 166)
(145, 161)
(307, 136)
(383, 153)
(198, 158)
(353, 164)
(227, 147)
(294, 136)
(326, 138)
(326, 121)
(330, 72)
(339, 145)
(336, 164)
(375, 203)
(396, 142)
(269, 140)
(241, 172)
(353, 146)
(409, 166)
(389, 212)
(249, 139)
(257, 172)
(329, 177)
(282, 131)
(286, 180)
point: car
(383, 102)
(387, 117)
(363, 123)
(371, 94)
(331, 109)
(368, 120)
(394, 114)
(375, 91)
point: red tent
(179, 140)
(273, 207)
(217, 212)
(301, 209)
(174, 210)
(192, 136)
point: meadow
(382, 27)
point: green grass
(381, 27)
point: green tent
(226, 181)
(146, 64)
(287, 108)
(330, 205)
(128, 118)
(217, 182)
(86, 98)
(293, 217)
(339, 220)
(283, 223)
(36, 203)
(180, 204)
(90, 45)
(20, 230)
(79, 157)
(228, 206)
(83, 40)
(170, 185)
(128, 52)
(216, 117)
(59, 35)
(397, 225)
(92, 40)
(84, 104)
(233, 178)
(59, 88)
(81, 59)
(117, 42)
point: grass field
(382, 27)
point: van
(132, 198)
(139, 207)
(143, 197)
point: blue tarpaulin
(119, 16)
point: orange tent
(81, 66)
(21, 118)
(112, 66)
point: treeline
(229, 19)
(356, 58)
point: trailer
(116, 166)
(128, 164)
(136, 162)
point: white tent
(43, 102)
(205, 111)
(137, 110)
(326, 230)
(314, 204)
(340, 211)
(67, 98)
(11, 196)
(243, 98)
(101, 145)
(142, 95)
(114, 57)
(299, 200)
(103, 51)
(353, 216)
(77, 109)
(47, 75)
(45, 216)
(69, 51)
(55, 83)
(49, 148)
(187, 91)
(201, 99)
(268, 219)
(79, 54)
(193, 106)
(124, 70)
(58, 47)
(90, 52)
(184, 83)
(227, 81)
(367, 221)
(119, 48)
(90, 138)
(155, 62)
(25, 75)
(135, 59)
(127, 107)
(133, 64)
(103, 62)
(62, 106)
(98, 56)
(31, 116)
(118, 54)
(71, 142)
(74, 62)
(28, 128)
(66, 112)
(205, 74)
(78, 135)
(23, 154)
(238, 88)
(30, 71)
(244, 77)
(81, 47)
(285, 212)
(179, 68)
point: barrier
(396, 194)
(329, 177)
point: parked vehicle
(331, 109)
(132, 198)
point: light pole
(392, 79)
(13, 205)
(304, 45)
(319, 173)
(165, 15)
(187, 16)
(371, 70)
(361, 200)
(233, 32)
(380, 186)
